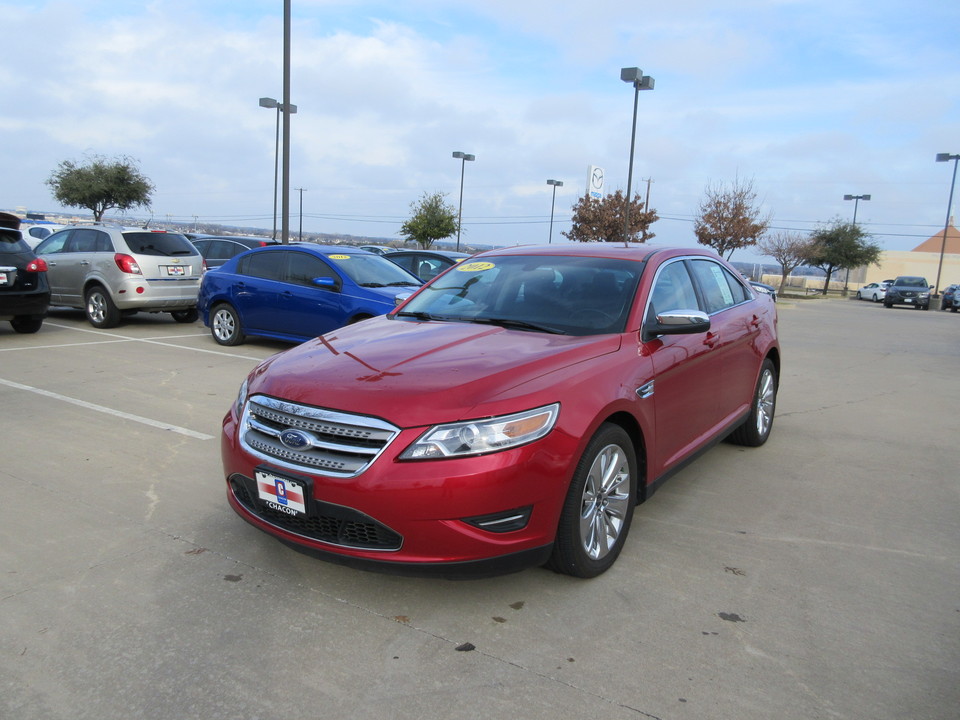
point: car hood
(422, 373)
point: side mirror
(676, 322)
(401, 298)
(327, 283)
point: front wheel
(756, 428)
(225, 325)
(859, 296)
(101, 311)
(598, 510)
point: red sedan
(510, 413)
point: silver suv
(112, 271)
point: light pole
(556, 184)
(300, 236)
(946, 157)
(640, 82)
(267, 102)
(463, 158)
(856, 201)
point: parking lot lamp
(556, 184)
(640, 82)
(856, 201)
(946, 157)
(463, 158)
(268, 102)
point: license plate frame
(176, 270)
(282, 493)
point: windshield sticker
(475, 266)
(339, 257)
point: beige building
(923, 260)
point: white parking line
(108, 411)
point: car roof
(444, 253)
(639, 252)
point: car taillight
(203, 266)
(38, 265)
(127, 264)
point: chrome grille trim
(343, 445)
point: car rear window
(11, 241)
(158, 243)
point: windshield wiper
(419, 315)
(513, 324)
(404, 283)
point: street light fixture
(300, 236)
(556, 184)
(463, 158)
(267, 102)
(946, 157)
(856, 201)
(640, 82)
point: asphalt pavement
(815, 577)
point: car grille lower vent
(326, 522)
(312, 439)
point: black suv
(908, 290)
(24, 292)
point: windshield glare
(369, 270)
(571, 295)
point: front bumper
(422, 517)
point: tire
(953, 309)
(756, 428)
(225, 325)
(598, 510)
(859, 297)
(27, 324)
(887, 305)
(875, 298)
(191, 315)
(101, 312)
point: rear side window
(719, 287)
(158, 243)
(266, 265)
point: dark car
(510, 413)
(24, 292)
(764, 289)
(908, 290)
(425, 264)
(946, 298)
(299, 291)
(217, 249)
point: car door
(735, 322)
(256, 290)
(307, 308)
(687, 370)
(71, 264)
(52, 250)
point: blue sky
(808, 99)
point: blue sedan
(297, 292)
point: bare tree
(601, 220)
(790, 250)
(729, 218)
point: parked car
(425, 264)
(35, 232)
(955, 305)
(217, 249)
(111, 272)
(946, 297)
(376, 249)
(908, 290)
(764, 289)
(872, 291)
(510, 413)
(299, 291)
(24, 292)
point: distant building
(923, 260)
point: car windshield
(158, 243)
(912, 282)
(559, 294)
(369, 270)
(12, 242)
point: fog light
(501, 522)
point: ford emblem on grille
(296, 439)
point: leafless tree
(789, 249)
(729, 218)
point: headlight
(475, 437)
(241, 396)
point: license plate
(281, 493)
(175, 270)
(908, 300)
(4, 279)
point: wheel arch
(631, 426)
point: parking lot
(815, 577)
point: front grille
(325, 522)
(334, 443)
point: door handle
(755, 322)
(711, 339)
